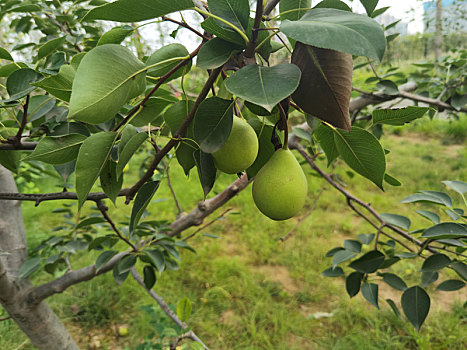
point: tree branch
(250, 49)
(166, 309)
(270, 6)
(59, 285)
(21, 146)
(185, 25)
(205, 208)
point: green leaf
(433, 217)
(211, 26)
(416, 305)
(129, 150)
(5, 55)
(341, 256)
(166, 58)
(149, 276)
(287, 5)
(115, 35)
(59, 85)
(435, 262)
(119, 277)
(394, 281)
(370, 293)
(369, 262)
(40, 106)
(49, 47)
(379, 11)
(57, 149)
(335, 4)
(126, 263)
(266, 148)
(142, 200)
(264, 86)
(450, 285)
(388, 87)
(458, 186)
(393, 307)
(28, 268)
(391, 180)
(184, 309)
(353, 245)
(90, 221)
(366, 238)
(110, 182)
(236, 12)
(445, 230)
(325, 136)
(396, 220)
(215, 53)
(156, 257)
(213, 123)
(333, 272)
(369, 5)
(136, 10)
(352, 283)
(7, 69)
(333, 251)
(430, 197)
(92, 158)
(338, 30)
(460, 268)
(398, 116)
(151, 112)
(104, 258)
(206, 170)
(362, 152)
(18, 83)
(428, 277)
(107, 77)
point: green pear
(240, 149)
(280, 187)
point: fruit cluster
(280, 187)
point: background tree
(85, 104)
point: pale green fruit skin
(280, 187)
(240, 149)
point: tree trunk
(39, 322)
(438, 28)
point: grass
(250, 291)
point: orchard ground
(251, 291)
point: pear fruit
(280, 187)
(240, 149)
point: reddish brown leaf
(325, 85)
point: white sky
(410, 11)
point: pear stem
(286, 128)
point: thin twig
(206, 225)
(270, 6)
(168, 311)
(250, 49)
(103, 209)
(23, 122)
(185, 25)
(169, 183)
(5, 318)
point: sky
(410, 11)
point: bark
(38, 322)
